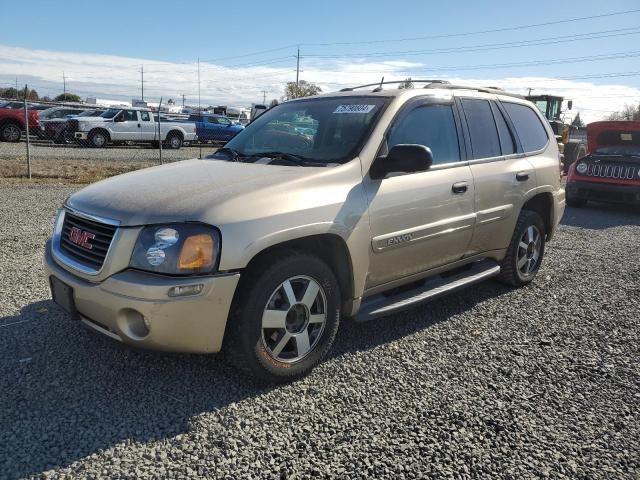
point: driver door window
(432, 126)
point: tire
(11, 132)
(174, 141)
(576, 202)
(296, 335)
(98, 139)
(525, 252)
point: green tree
(304, 89)
(67, 97)
(577, 121)
(629, 112)
(8, 93)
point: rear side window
(482, 128)
(506, 137)
(529, 128)
(432, 126)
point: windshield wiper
(289, 157)
(232, 155)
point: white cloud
(118, 78)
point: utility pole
(298, 73)
(142, 80)
(199, 106)
(530, 91)
(183, 100)
(64, 88)
(264, 97)
(16, 88)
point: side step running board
(381, 305)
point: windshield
(322, 130)
(110, 113)
(619, 150)
(90, 113)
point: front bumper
(604, 192)
(116, 307)
(80, 135)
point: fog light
(185, 290)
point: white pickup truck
(129, 125)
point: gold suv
(320, 209)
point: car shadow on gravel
(600, 216)
(355, 336)
(67, 392)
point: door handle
(138, 125)
(522, 176)
(459, 187)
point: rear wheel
(525, 252)
(10, 132)
(174, 141)
(285, 320)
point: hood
(186, 191)
(613, 134)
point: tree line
(32, 95)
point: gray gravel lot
(490, 382)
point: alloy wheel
(12, 133)
(294, 318)
(529, 249)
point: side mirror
(569, 104)
(402, 159)
(119, 118)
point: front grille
(92, 240)
(72, 126)
(612, 170)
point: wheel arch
(542, 204)
(175, 131)
(95, 130)
(329, 247)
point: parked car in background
(211, 127)
(56, 129)
(13, 123)
(611, 170)
(129, 125)
(55, 114)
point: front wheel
(98, 139)
(285, 319)
(525, 252)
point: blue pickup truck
(211, 127)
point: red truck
(611, 170)
(12, 123)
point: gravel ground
(491, 382)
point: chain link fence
(82, 142)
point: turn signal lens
(197, 253)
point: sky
(247, 50)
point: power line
(477, 32)
(493, 46)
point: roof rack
(394, 82)
(494, 90)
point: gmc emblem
(81, 237)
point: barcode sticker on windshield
(354, 108)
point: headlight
(177, 249)
(581, 168)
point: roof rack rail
(380, 84)
(494, 90)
